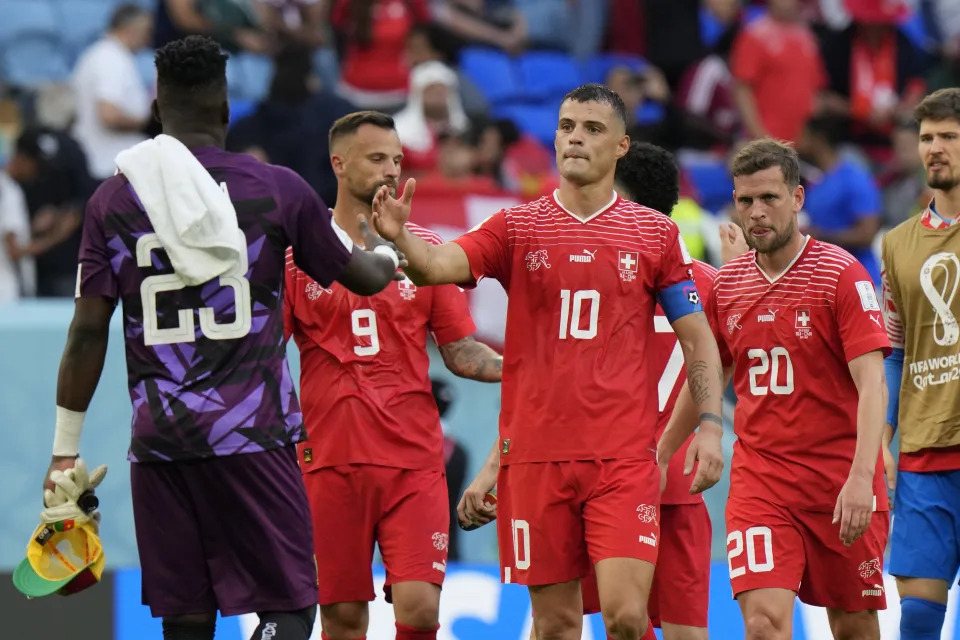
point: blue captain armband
(679, 300)
(893, 370)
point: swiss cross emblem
(314, 290)
(803, 323)
(408, 290)
(628, 263)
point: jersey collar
(803, 247)
(556, 199)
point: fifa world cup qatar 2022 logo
(945, 268)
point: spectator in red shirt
(778, 72)
(372, 37)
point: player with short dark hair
(373, 459)
(800, 330)
(584, 270)
(920, 275)
(679, 599)
(222, 519)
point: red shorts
(405, 511)
(770, 546)
(681, 583)
(555, 520)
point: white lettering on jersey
(586, 257)
(868, 295)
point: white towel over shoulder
(191, 214)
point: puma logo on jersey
(587, 256)
(650, 540)
(877, 591)
(537, 259)
(769, 316)
(876, 320)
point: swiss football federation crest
(314, 290)
(804, 324)
(537, 259)
(733, 323)
(440, 541)
(870, 567)
(408, 290)
(628, 262)
(647, 513)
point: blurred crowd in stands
(474, 86)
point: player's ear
(798, 197)
(336, 161)
(623, 146)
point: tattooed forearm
(697, 374)
(468, 358)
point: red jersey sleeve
(858, 314)
(676, 265)
(450, 315)
(487, 250)
(746, 59)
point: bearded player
(921, 272)
(679, 599)
(373, 459)
(584, 271)
(800, 330)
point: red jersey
(364, 387)
(668, 356)
(790, 339)
(578, 383)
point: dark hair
(292, 68)
(352, 121)
(124, 14)
(603, 94)
(943, 104)
(192, 77)
(766, 153)
(830, 127)
(650, 176)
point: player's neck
(947, 203)
(194, 139)
(773, 264)
(584, 200)
(345, 213)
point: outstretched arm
(426, 263)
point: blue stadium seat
(26, 18)
(82, 22)
(540, 121)
(257, 75)
(713, 184)
(146, 68)
(595, 69)
(33, 60)
(493, 72)
(546, 76)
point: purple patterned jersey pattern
(206, 365)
